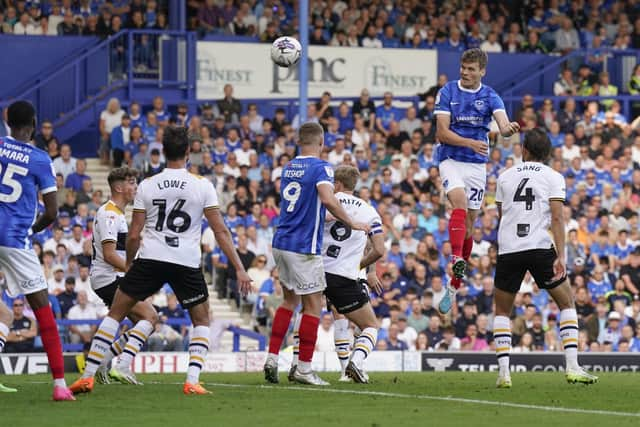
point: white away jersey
(525, 191)
(174, 202)
(343, 248)
(110, 226)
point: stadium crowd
(596, 147)
(242, 152)
(494, 26)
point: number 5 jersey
(174, 202)
(24, 170)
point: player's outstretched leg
(457, 235)
(5, 316)
(304, 374)
(342, 341)
(279, 329)
(502, 337)
(102, 374)
(100, 346)
(138, 335)
(365, 343)
(296, 347)
(569, 335)
(198, 348)
(39, 301)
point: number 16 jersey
(524, 192)
(302, 213)
(174, 202)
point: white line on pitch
(437, 398)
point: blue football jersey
(24, 170)
(301, 213)
(471, 112)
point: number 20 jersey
(302, 213)
(524, 192)
(343, 248)
(24, 170)
(174, 202)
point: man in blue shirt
(306, 193)
(387, 113)
(75, 179)
(27, 170)
(464, 109)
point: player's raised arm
(225, 241)
(325, 191)
(506, 127)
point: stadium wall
(387, 361)
(24, 60)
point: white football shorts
(22, 271)
(470, 176)
(301, 273)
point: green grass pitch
(402, 399)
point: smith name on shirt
(355, 202)
(171, 183)
(15, 152)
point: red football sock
(308, 336)
(51, 340)
(279, 329)
(466, 248)
(457, 230)
(455, 282)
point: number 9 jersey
(524, 192)
(302, 213)
(174, 202)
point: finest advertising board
(340, 70)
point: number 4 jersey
(174, 202)
(524, 192)
(24, 170)
(343, 248)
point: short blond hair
(348, 176)
(310, 133)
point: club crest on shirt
(479, 104)
(329, 170)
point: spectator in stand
(67, 27)
(162, 116)
(120, 137)
(229, 107)
(67, 299)
(65, 164)
(22, 331)
(24, 26)
(386, 114)
(82, 333)
(46, 135)
(75, 179)
(110, 118)
(566, 37)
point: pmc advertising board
(343, 71)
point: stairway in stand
(220, 309)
